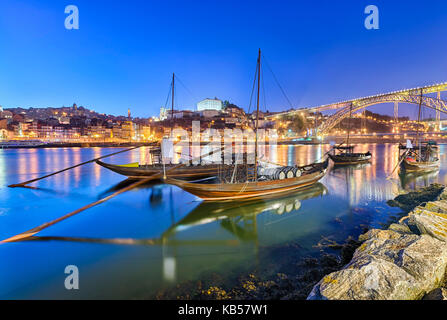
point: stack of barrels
(279, 173)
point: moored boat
(412, 165)
(347, 156)
(258, 180)
(422, 157)
(137, 171)
(309, 175)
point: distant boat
(256, 181)
(345, 154)
(13, 144)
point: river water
(158, 236)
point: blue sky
(124, 53)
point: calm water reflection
(158, 235)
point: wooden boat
(310, 175)
(137, 171)
(413, 165)
(257, 183)
(420, 160)
(346, 153)
(422, 157)
(347, 156)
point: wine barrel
(281, 174)
(269, 173)
(289, 172)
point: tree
(297, 123)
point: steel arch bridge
(429, 102)
(412, 96)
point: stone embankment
(407, 261)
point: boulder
(388, 265)
(437, 294)
(443, 195)
(411, 200)
(400, 228)
(433, 223)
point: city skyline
(318, 56)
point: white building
(210, 104)
(163, 114)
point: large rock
(431, 219)
(437, 294)
(410, 200)
(388, 265)
(443, 195)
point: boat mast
(257, 117)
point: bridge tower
(438, 115)
(396, 111)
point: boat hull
(142, 172)
(354, 158)
(413, 166)
(258, 189)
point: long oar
(23, 184)
(134, 242)
(36, 230)
(400, 161)
(33, 231)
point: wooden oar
(135, 242)
(400, 161)
(36, 230)
(23, 184)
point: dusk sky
(124, 53)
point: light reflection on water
(113, 244)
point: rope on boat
(244, 187)
(23, 184)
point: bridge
(413, 96)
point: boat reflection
(344, 168)
(133, 242)
(414, 180)
(239, 218)
(125, 183)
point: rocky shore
(407, 261)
